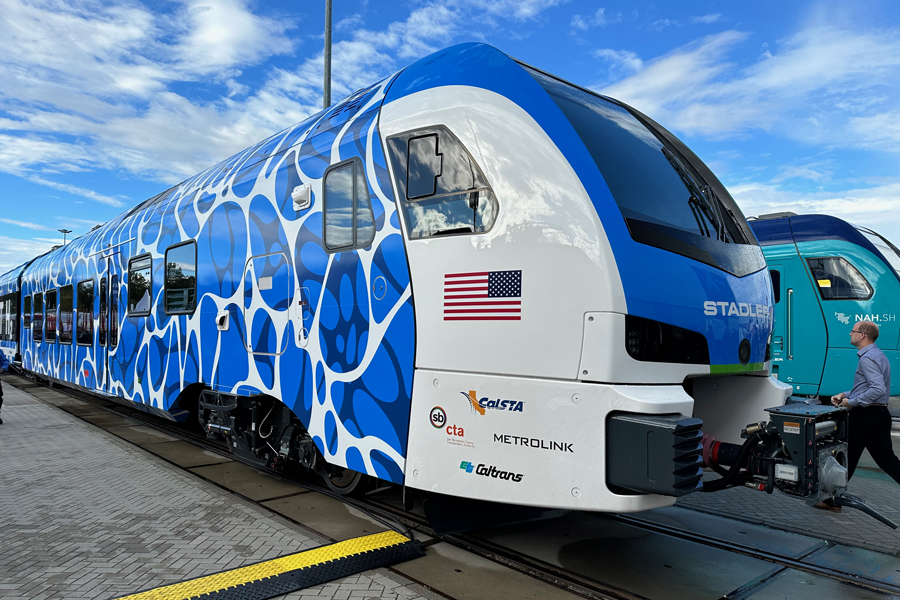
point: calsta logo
(481, 405)
(490, 471)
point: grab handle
(790, 323)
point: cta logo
(735, 309)
(455, 434)
(480, 406)
(490, 471)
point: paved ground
(86, 515)
(784, 512)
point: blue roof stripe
(811, 228)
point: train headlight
(652, 341)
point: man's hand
(840, 400)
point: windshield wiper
(703, 200)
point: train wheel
(345, 482)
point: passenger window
(114, 311)
(349, 222)
(181, 279)
(140, 285)
(8, 318)
(84, 330)
(37, 322)
(776, 284)
(66, 301)
(27, 308)
(50, 307)
(443, 190)
(837, 279)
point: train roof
(791, 228)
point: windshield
(889, 250)
(656, 184)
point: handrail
(789, 330)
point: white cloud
(876, 207)
(802, 89)
(76, 191)
(598, 19)
(662, 24)
(14, 251)
(520, 10)
(219, 34)
(620, 61)
(707, 19)
(25, 224)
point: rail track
(386, 506)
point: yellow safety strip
(270, 568)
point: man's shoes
(826, 506)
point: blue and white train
(471, 278)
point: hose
(721, 484)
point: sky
(794, 105)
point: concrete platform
(99, 506)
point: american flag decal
(483, 296)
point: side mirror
(302, 197)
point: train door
(778, 349)
(102, 351)
(803, 336)
(268, 295)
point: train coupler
(800, 451)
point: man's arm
(875, 383)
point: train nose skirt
(293, 572)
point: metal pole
(64, 232)
(327, 99)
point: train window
(50, 309)
(837, 279)
(114, 311)
(649, 181)
(101, 334)
(776, 284)
(66, 302)
(37, 321)
(181, 279)
(84, 328)
(349, 222)
(26, 307)
(444, 190)
(140, 285)
(8, 318)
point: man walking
(870, 420)
(4, 365)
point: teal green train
(827, 275)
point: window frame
(776, 285)
(166, 310)
(54, 292)
(34, 297)
(71, 312)
(401, 162)
(26, 312)
(851, 265)
(113, 312)
(77, 312)
(355, 162)
(128, 297)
